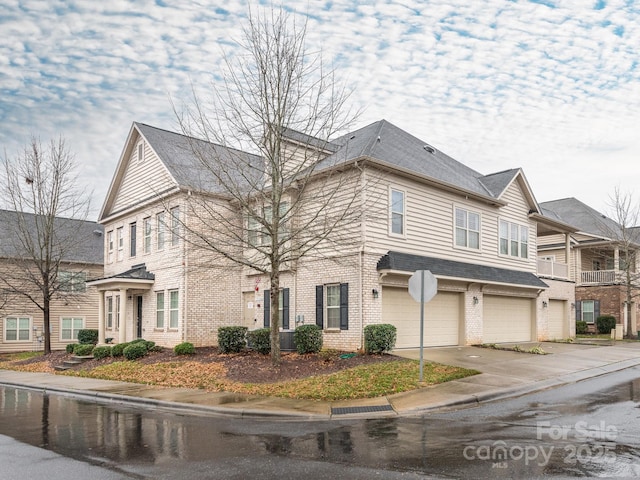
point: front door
(249, 310)
(139, 316)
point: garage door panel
(442, 318)
(556, 319)
(506, 319)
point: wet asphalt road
(591, 428)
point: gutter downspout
(361, 254)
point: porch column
(101, 317)
(122, 334)
(616, 259)
(567, 253)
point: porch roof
(136, 277)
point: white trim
(467, 211)
(390, 212)
(70, 317)
(18, 318)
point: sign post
(423, 286)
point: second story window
(120, 240)
(147, 235)
(132, 239)
(396, 212)
(467, 229)
(140, 152)
(160, 226)
(175, 226)
(110, 246)
(72, 282)
(514, 239)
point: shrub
(260, 340)
(70, 347)
(581, 327)
(101, 352)
(88, 336)
(379, 338)
(605, 323)
(184, 348)
(308, 339)
(148, 343)
(82, 350)
(232, 339)
(118, 349)
(135, 350)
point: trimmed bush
(101, 352)
(605, 323)
(148, 343)
(184, 348)
(232, 339)
(118, 349)
(82, 350)
(135, 350)
(70, 347)
(88, 336)
(581, 327)
(379, 338)
(260, 340)
(308, 339)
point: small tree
(40, 186)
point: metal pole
(421, 321)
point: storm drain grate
(369, 409)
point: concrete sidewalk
(504, 374)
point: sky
(549, 86)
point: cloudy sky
(551, 86)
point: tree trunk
(275, 316)
(47, 326)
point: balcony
(551, 269)
(599, 277)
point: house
(417, 209)
(596, 258)
(73, 307)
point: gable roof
(444, 268)
(586, 219)
(87, 246)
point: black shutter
(578, 310)
(320, 305)
(267, 308)
(285, 309)
(344, 306)
(596, 310)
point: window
(160, 225)
(283, 308)
(147, 235)
(175, 226)
(17, 329)
(588, 311)
(69, 328)
(109, 313)
(120, 240)
(257, 234)
(110, 246)
(117, 312)
(173, 308)
(140, 152)
(397, 216)
(514, 239)
(132, 239)
(253, 231)
(159, 309)
(72, 282)
(467, 229)
(332, 306)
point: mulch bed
(245, 367)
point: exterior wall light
(475, 300)
(375, 293)
(544, 304)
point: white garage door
(557, 320)
(506, 319)
(441, 314)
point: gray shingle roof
(85, 239)
(407, 262)
(582, 216)
(137, 272)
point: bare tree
(290, 197)
(40, 187)
(626, 213)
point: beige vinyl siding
(430, 223)
(142, 180)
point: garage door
(557, 319)
(506, 319)
(441, 314)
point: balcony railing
(596, 277)
(551, 269)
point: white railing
(551, 269)
(596, 277)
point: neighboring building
(72, 309)
(596, 260)
(420, 209)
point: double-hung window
(332, 306)
(110, 246)
(514, 239)
(588, 311)
(17, 329)
(173, 308)
(159, 309)
(258, 234)
(467, 229)
(120, 242)
(72, 282)
(160, 227)
(132, 239)
(110, 312)
(396, 212)
(147, 235)
(69, 327)
(175, 226)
